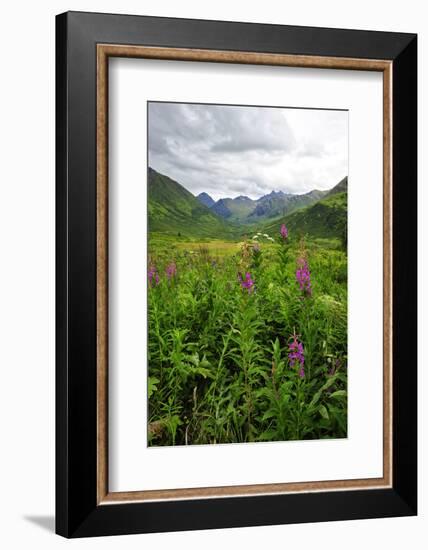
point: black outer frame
(77, 513)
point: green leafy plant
(247, 341)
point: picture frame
(84, 44)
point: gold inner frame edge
(104, 51)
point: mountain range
(173, 209)
(244, 210)
(325, 218)
(205, 199)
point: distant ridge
(237, 209)
(244, 210)
(341, 187)
(205, 199)
(325, 218)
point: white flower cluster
(265, 235)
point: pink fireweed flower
(246, 282)
(171, 270)
(303, 276)
(296, 355)
(153, 276)
(284, 231)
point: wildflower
(171, 270)
(271, 239)
(296, 352)
(255, 237)
(284, 231)
(153, 276)
(265, 235)
(296, 355)
(246, 282)
(303, 276)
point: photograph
(247, 273)
(207, 343)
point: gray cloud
(231, 150)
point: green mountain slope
(326, 218)
(341, 187)
(174, 210)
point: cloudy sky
(228, 151)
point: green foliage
(219, 370)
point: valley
(247, 316)
(176, 213)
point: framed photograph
(236, 274)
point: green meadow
(247, 323)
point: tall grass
(221, 363)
